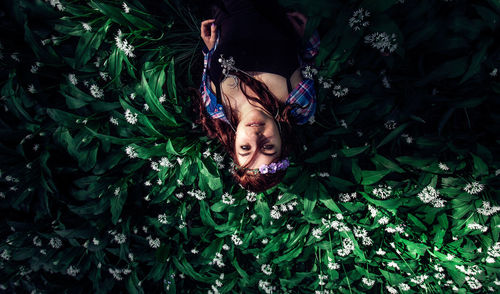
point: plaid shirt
(303, 96)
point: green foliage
(108, 186)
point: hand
(298, 21)
(209, 33)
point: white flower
(253, 216)
(119, 238)
(383, 220)
(179, 160)
(266, 269)
(123, 45)
(343, 124)
(165, 162)
(72, 271)
(227, 199)
(439, 276)
(36, 241)
(225, 247)
(162, 98)
(346, 197)
(275, 213)
(476, 226)
(391, 289)
(154, 166)
(332, 265)
(419, 279)
(162, 218)
(198, 194)
(31, 89)
(117, 273)
(95, 241)
(393, 265)
(56, 3)
(404, 287)
(34, 69)
(494, 72)
(146, 107)
(218, 260)
(390, 124)
(473, 283)
(130, 117)
(5, 254)
(322, 279)
(104, 75)
(131, 152)
(154, 243)
(96, 92)
(113, 120)
(117, 191)
(373, 211)
(324, 174)
(179, 195)
(358, 19)
(383, 191)
(443, 166)
(126, 9)
(382, 41)
(266, 287)
(338, 91)
(431, 195)
(494, 250)
(86, 26)
(289, 227)
(385, 82)
(317, 233)
(474, 188)
(251, 196)
(487, 209)
(450, 256)
(236, 240)
(470, 270)
(380, 251)
(407, 138)
(132, 96)
(368, 282)
(55, 242)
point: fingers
(213, 33)
(205, 27)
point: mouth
(254, 124)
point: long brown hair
(217, 128)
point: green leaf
(171, 85)
(117, 202)
(393, 134)
(480, 167)
(383, 161)
(370, 177)
(88, 44)
(350, 152)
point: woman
(253, 88)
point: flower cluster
(131, 152)
(358, 19)
(274, 166)
(382, 41)
(117, 273)
(487, 209)
(474, 188)
(266, 269)
(382, 191)
(217, 260)
(227, 199)
(198, 194)
(123, 45)
(130, 117)
(431, 195)
(72, 271)
(346, 197)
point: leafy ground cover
(107, 185)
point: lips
(254, 124)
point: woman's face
(257, 126)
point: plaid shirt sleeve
(214, 109)
(304, 95)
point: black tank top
(258, 36)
